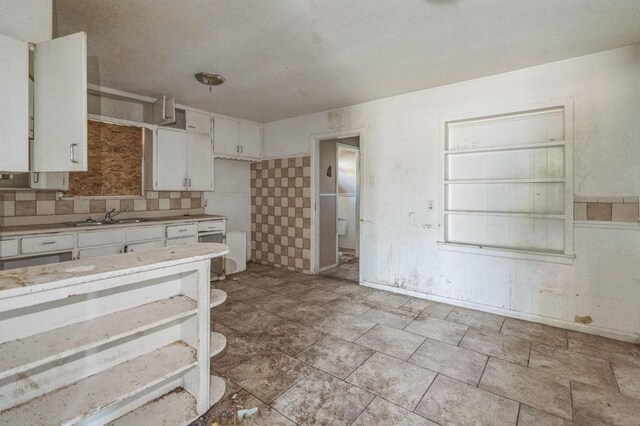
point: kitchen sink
(88, 222)
(91, 222)
(130, 220)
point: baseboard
(598, 331)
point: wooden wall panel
(115, 162)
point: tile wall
(281, 213)
(607, 209)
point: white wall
(400, 152)
(28, 20)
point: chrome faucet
(109, 217)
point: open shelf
(217, 297)
(217, 387)
(550, 144)
(22, 355)
(504, 180)
(177, 407)
(104, 390)
(218, 343)
(504, 214)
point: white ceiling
(284, 58)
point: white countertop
(21, 281)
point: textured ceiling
(283, 58)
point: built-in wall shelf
(471, 150)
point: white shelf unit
(506, 180)
(110, 347)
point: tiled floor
(348, 267)
(319, 350)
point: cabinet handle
(241, 149)
(189, 183)
(48, 243)
(184, 182)
(72, 152)
(191, 127)
(182, 230)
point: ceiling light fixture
(209, 79)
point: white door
(250, 140)
(225, 136)
(60, 104)
(199, 162)
(171, 160)
(14, 105)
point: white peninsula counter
(123, 339)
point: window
(506, 182)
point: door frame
(355, 149)
(315, 189)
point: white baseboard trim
(598, 331)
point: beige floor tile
(452, 402)
(535, 332)
(531, 417)
(601, 347)
(453, 361)
(321, 399)
(391, 317)
(246, 293)
(354, 290)
(335, 356)
(228, 312)
(273, 302)
(258, 268)
(394, 380)
(350, 305)
(239, 350)
(267, 376)
(290, 337)
(445, 331)
(555, 361)
(397, 343)
(343, 326)
(387, 298)
(253, 323)
(256, 280)
(278, 273)
(381, 412)
(497, 345)
(628, 378)
(291, 289)
(326, 283)
(476, 319)
(416, 306)
(317, 296)
(305, 314)
(594, 406)
(527, 386)
(437, 310)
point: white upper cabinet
(14, 105)
(198, 122)
(60, 104)
(199, 162)
(236, 140)
(164, 111)
(170, 168)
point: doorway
(338, 207)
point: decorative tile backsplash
(38, 205)
(608, 209)
(281, 213)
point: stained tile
(257, 280)
(416, 306)
(450, 402)
(528, 387)
(381, 412)
(350, 305)
(453, 361)
(277, 273)
(239, 350)
(267, 376)
(437, 310)
(353, 290)
(601, 347)
(343, 326)
(325, 283)
(628, 378)
(445, 331)
(246, 293)
(594, 406)
(476, 319)
(391, 341)
(531, 417)
(391, 317)
(321, 399)
(335, 356)
(273, 302)
(394, 380)
(497, 345)
(290, 337)
(387, 298)
(290, 289)
(305, 314)
(253, 323)
(535, 332)
(255, 267)
(318, 296)
(229, 311)
(571, 365)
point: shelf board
(217, 297)
(504, 180)
(217, 387)
(549, 144)
(22, 355)
(506, 214)
(105, 390)
(218, 343)
(177, 407)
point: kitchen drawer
(8, 248)
(144, 233)
(185, 230)
(198, 122)
(211, 226)
(100, 238)
(149, 245)
(100, 251)
(181, 241)
(48, 244)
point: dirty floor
(324, 351)
(348, 266)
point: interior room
(417, 212)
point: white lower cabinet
(181, 241)
(138, 247)
(47, 243)
(100, 251)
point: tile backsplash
(607, 209)
(281, 213)
(29, 206)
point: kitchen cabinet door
(50, 180)
(14, 105)
(60, 104)
(225, 137)
(198, 122)
(170, 163)
(250, 140)
(199, 162)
